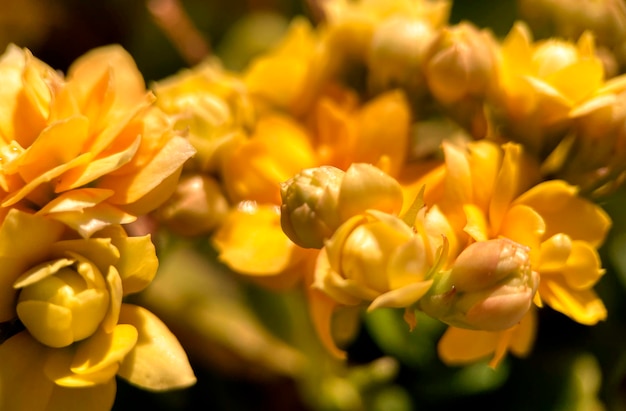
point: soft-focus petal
(23, 385)
(157, 362)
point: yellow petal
(460, 346)
(138, 263)
(129, 188)
(583, 306)
(23, 385)
(401, 297)
(41, 271)
(583, 267)
(96, 168)
(157, 362)
(114, 286)
(57, 367)
(76, 200)
(523, 225)
(96, 398)
(253, 242)
(58, 144)
(103, 349)
(564, 212)
(506, 185)
(524, 335)
(321, 308)
(92, 219)
(476, 225)
(554, 253)
(25, 240)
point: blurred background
(245, 359)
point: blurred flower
(197, 206)
(211, 104)
(88, 150)
(67, 292)
(490, 287)
(540, 82)
(605, 18)
(253, 168)
(460, 67)
(317, 201)
(396, 54)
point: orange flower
(89, 149)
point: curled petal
(401, 297)
(157, 362)
(583, 306)
(564, 212)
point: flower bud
(196, 207)
(460, 63)
(67, 305)
(317, 201)
(490, 287)
(396, 53)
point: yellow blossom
(211, 104)
(89, 149)
(540, 82)
(67, 292)
(492, 192)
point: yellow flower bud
(66, 306)
(460, 63)
(317, 201)
(396, 53)
(196, 207)
(490, 287)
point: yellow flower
(317, 201)
(89, 149)
(540, 82)
(212, 104)
(67, 292)
(492, 192)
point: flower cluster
(81, 156)
(386, 158)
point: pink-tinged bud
(490, 287)
(316, 201)
(196, 207)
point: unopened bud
(196, 207)
(490, 287)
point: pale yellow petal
(523, 225)
(158, 361)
